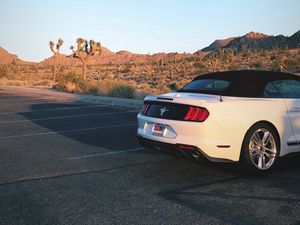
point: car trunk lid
(178, 106)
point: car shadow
(88, 127)
(127, 137)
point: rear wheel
(260, 148)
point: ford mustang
(252, 117)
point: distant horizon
(140, 27)
(69, 53)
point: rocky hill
(258, 41)
(7, 58)
(120, 57)
(251, 41)
(295, 40)
(217, 44)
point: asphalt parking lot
(64, 162)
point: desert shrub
(199, 64)
(173, 86)
(17, 83)
(161, 89)
(70, 87)
(114, 88)
(246, 54)
(3, 72)
(142, 93)
(263, 54)
(92, 88)
(5, 82)
(257, 64)
(126, 70)
(106, 86)
(233, 67)
(277, 65)
(288, 54)
(111, 88)
(143, 90)
(291, 64)
(122, 91)
(70, 82)
(190, 59)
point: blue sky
(140, 26)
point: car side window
(217, 85)
(288, 88)
(207, 85)
(270, 91)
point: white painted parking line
(40, 102)
(54, 109)
(67, 117)
(68, 131)
(105, 153)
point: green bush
(122, 91)
(70, 82)
(173, 86)
(126, 70)
(257, 64)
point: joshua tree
(55, 51)
(85, 50)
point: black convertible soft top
(257, 75)
(245, 83)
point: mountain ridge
(219, 43)
(252, 41)
(258, 41)
(8, 58)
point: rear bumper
(186, 150)
(147, 143)
(206, 138)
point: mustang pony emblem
(163, 110)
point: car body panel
(249, 98)
(227, 124)
(293, 108)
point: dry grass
(73, 83)
(153, 77)
(4, 81)
(112, 88)
(70, 87)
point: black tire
(263, 157)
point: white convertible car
(247, 116)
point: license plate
(158, 129)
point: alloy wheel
(262, 149)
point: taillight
(197, 114)
(145, 109)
